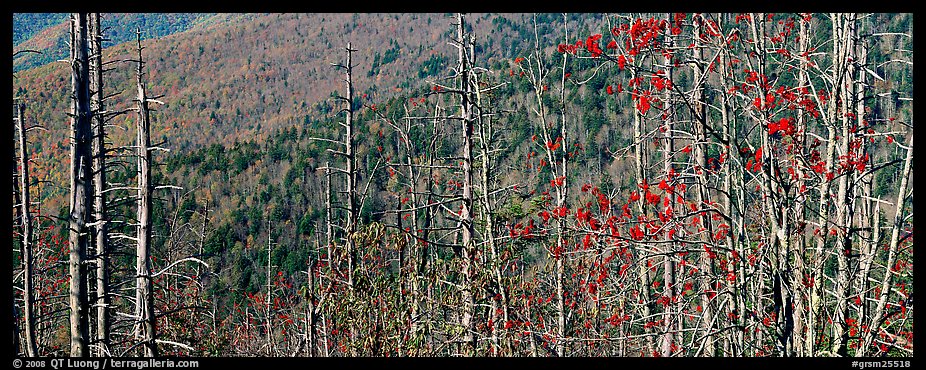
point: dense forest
(634, 185)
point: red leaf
(643, 105)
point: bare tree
(668, 272)
(464, 71)
(144, 290)
(27, 235)
(353, 204)
(879, 314)
(81, 195)
(700, 116)
(100, 237)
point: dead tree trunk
(310, 314)
(353, 211)
(401, 241)
(487, 136)
(16, 202)
(466, 211)
(700, 113)
(144, 297)
(424, 272)
(639, 157)
(328, 226)
(562, 193)
(410, 270)
(668, 273)
(98, 154)
(269, 300)
(844, 209)
(559, 170)
(878, 315)
(733, 189)
(350, 169)
(800, 338)
(766, 163)
(81, 196)
(27, 247)
(869, 217)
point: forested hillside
(47, 33)
(483, 185)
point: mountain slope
(47, 32)
(27, 25)
(242, 74)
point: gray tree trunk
(878, 315)
(26, 219)
(353, 211)
(100, 237)
(81, 196)
(800, 338)
(706, 264)
(639, 170)
(668, 272)
(144, 295)
(844, 208)
(467, 323)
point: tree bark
(639, 169)
(27, 247)
(100, 237)
(844, 207)
(467, 323)
(487, 134)
(800, 337)
(310, 315)
(329, 242)
(668, 272)
(353, 210)
(878, 315)
(269, 300)
(144, 294)
(81, 196)
(700, 113)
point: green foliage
(26, 25)
(433, 66)
(219, 240)
(309, 222)
(389, 56)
